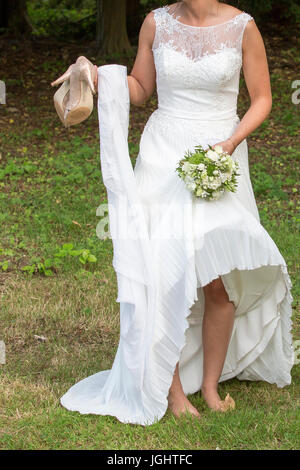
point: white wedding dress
(178, 244)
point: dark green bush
(67, 19)
(77, 18)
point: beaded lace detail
(197, 42)
(197, 68)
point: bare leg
(216, 332)
(178, 402)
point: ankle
(175, 395)
(209, 387)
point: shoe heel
(84, 108)
(59, 97)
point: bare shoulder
(147, 31)
(252, 36)
(149, 21)
(228, 12)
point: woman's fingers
(63, 78)
(96, 77)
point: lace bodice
(198, 68)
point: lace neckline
(167, 8)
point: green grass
(51, 186)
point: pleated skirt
(196, 241)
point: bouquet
(208, 173)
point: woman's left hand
(227, 146)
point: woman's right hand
(96, 78)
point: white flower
(188, 179)
(191, 186)
(212, 155)
(216, 172)
(201, 166)
(218, 149)
(186, 167)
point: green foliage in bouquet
(208, 173)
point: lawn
(59, 318)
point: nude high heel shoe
(73, 101)
(62, 95)
(80, 105)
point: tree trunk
(14, 17)
(133, 18)
(111, 28)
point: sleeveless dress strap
(247, 17)
(243, 20)
(160, 25)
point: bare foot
(214, 401)
(212, 398)
(182, 405)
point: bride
(223, 301)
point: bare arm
(141, 80)
(257, 78)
